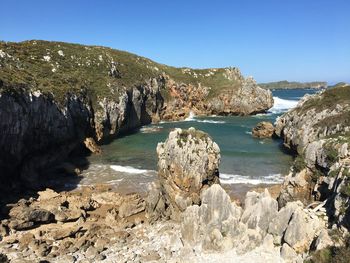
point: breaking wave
(192, 117)
(239, 179)
(128, 169)
(282, 105)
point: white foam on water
(248, 132)
(151, 129)
(128, 169)
(190, 117)
(209, 121)
(239, 179)
(282, 105)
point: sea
(129, 163)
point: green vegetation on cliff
(330, 100)
(62, 67)
(294, 85)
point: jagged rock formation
(315, 117)
(188, 161)
(318, 131)
(244, 97)
(263, 129)
(54, 95)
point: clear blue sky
(271, 40)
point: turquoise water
(131, 160)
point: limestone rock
(323, 240)
(302, 230)
(289, 254)
(188, 161)
(279, 224)
(296, 187)
(155, 204)
(213, 224)
(263, 130)
(190, 225)
(261, 213)
(308, 121)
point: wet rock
(263, 129)
(91, 144)
(188, 161)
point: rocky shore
(186, 217)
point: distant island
(294, 85)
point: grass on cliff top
(329, 99)
(59, 68)
(284, 84)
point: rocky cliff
(54, 95)
(317, 130)
(294, 85)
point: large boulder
(263, 129)
(188, 162)
(302, 229)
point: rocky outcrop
(214, 223)
(317, 130)
(263, 129)
(38, 132)
(244, 97)
(259, 210)
(188, 161)
(315, 117)
(296, 186)
(246, 100)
